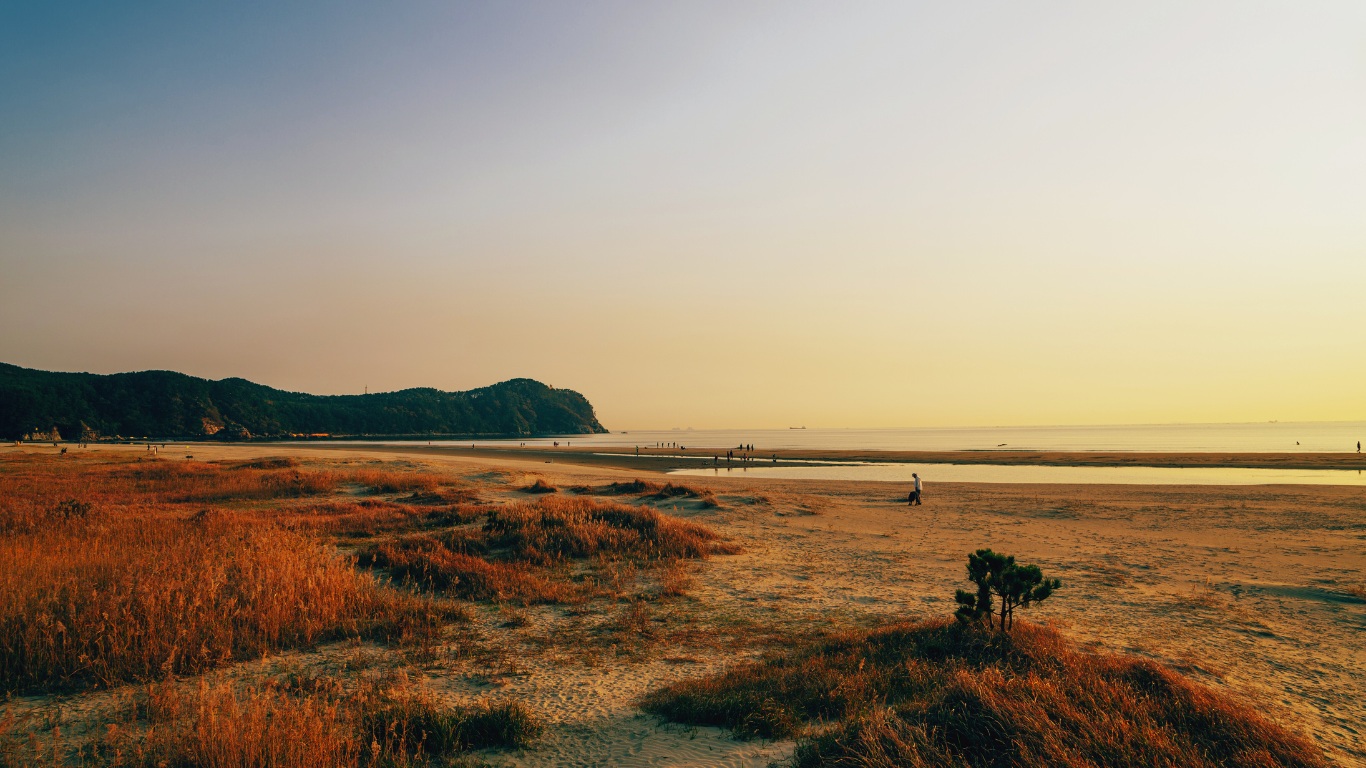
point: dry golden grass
(111, 576)
(198, 481)
(942, 694)
(634, 488)
(382, 480)
(439, 563)
(540, 486)
(521, 552)
(642, 488)
(309, 722)
(560, 528)
(363, 518)
(674, 580)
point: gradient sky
(708, 214)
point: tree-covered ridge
(173, 405)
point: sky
(701, 214)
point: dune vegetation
(550, 551)
(116, 571)
(945, 693)
(138, 569)
(300, 722)
(159, 583)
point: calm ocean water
(988, 473)
(1272, 437)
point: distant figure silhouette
(915, 494)
(1358, 446)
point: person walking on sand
(915, 494)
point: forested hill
(164, 404)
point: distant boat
(796, 427)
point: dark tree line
(174, 405)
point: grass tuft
(445, 563)
(560, 528)
(309, 723)
(942, 694)
(540, 486)
(522, 551)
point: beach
(1253, 590)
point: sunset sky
(707, 214)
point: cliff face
(173, 405)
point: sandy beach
(1254, 590)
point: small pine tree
(997, 576)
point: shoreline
(667, 459)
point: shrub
(71, 509)
(998, 576)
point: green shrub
(998, 576)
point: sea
(1266, 437)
